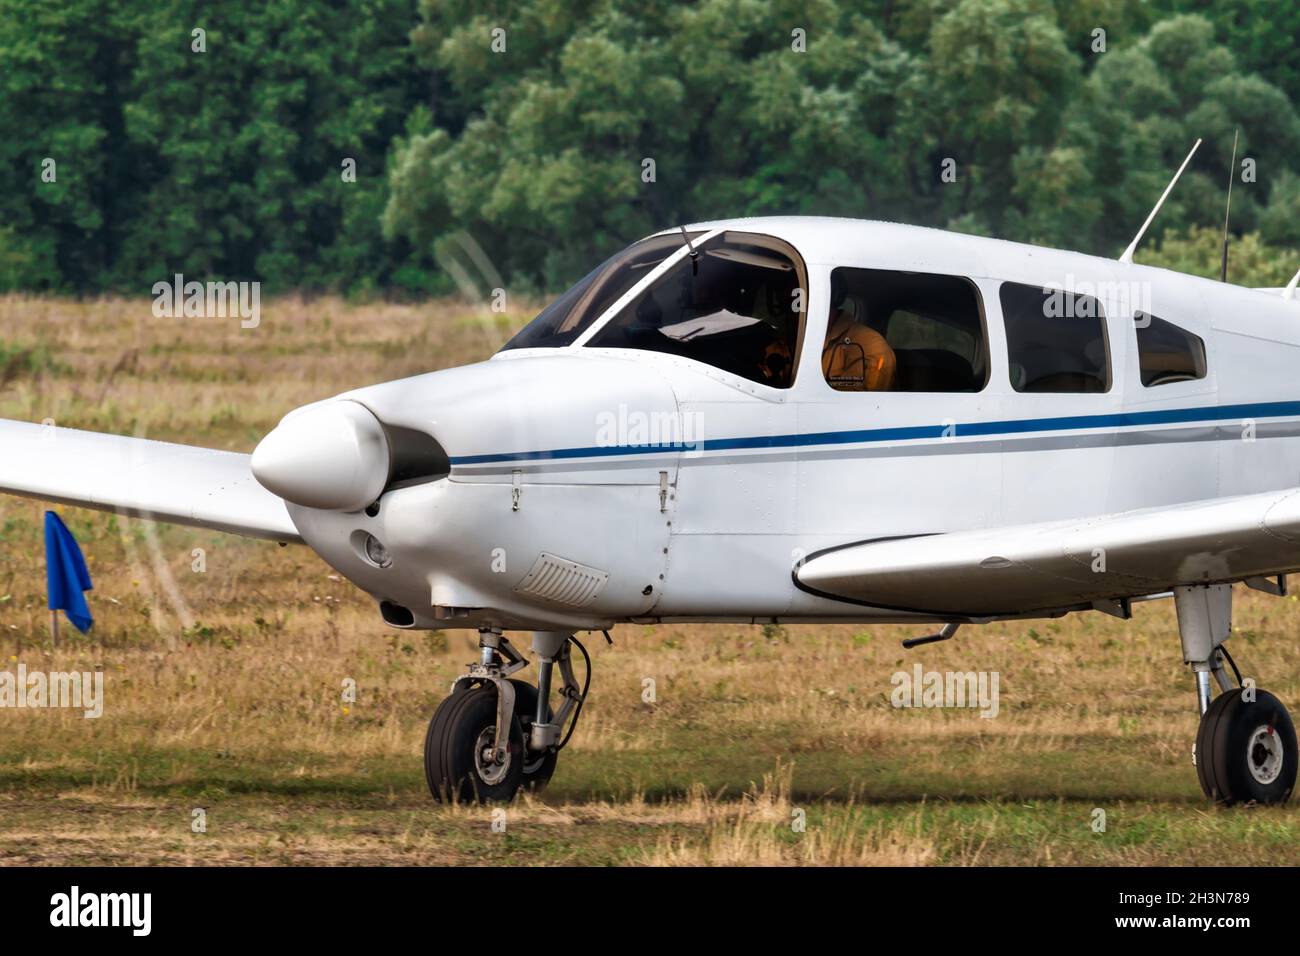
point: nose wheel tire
(1246, 750)
(460, 762)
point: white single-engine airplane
(795, 420)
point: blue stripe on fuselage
(1173, 416)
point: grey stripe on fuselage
(1160, 436)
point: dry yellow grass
(224, 687)
(766, 828)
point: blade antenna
(1289, 292)
(1127, 257)
(695, 256)
(1227, 210)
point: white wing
(1063, 565)
(147, 479)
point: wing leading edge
(1010, 571)
(149, 479)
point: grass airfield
(762, 745)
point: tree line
(362, 146)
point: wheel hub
(1264, 754)
(490, 764)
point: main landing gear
(1246, 744)
(496, 734)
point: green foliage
(224, 164)
(1054, 141)
(1261, 33)
(1199, 250)
(26, 262)
(227, 163)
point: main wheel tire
(538, 768)
(1246, 750)
(457, 761)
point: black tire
(537, 770)
(1246, 750)
(455, 734)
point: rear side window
(1056, 340)
(1166, 353)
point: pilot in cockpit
(855, 358)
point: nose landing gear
(1246, 743)
(495, 733)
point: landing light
(376, 553)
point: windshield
(561, 322)
(737, 305)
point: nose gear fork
(498, 659)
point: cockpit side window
(561, 322)
(736, 305)
(904, 332)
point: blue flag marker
(66, 574)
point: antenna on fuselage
(1289, 291)
(1132, 246)
(694, 254)
(1227, 210)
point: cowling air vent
(562, 581)
(416, 457)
